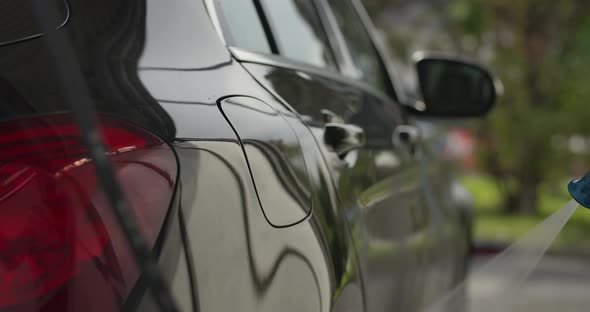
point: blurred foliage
(492, 225)
(539, 49)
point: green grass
(502, 228)
(485, 191)
(491, 224)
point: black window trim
(326, 26)
(341, 56)
(347, 66)
(270, 36)
(384, 58)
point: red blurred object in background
(460, 145)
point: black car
(261, 147)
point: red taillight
(60, 244)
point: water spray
(514, 265)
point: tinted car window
(363, 52)
(241, 25)
(298, 31)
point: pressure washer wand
(580, 190)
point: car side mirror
(452, 87)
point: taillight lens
(61, 248)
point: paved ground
(557, 284)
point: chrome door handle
(343, 138)
(406, 135)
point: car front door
(410, 221)
(437, 241)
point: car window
(362, 50)
(241, 25)
(298, 31)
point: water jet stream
(516, 264)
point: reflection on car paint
(275, 159)
(247, 249)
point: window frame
(345, 70)
(243, 55)
(331, 45)
(378, 45)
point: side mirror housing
(453, 87)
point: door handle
(343, 138)
(406, 135)
(330, 117)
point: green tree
(539, 50)
(531, 42)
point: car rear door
(261, 219)
(311, 71)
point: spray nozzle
(580, 190)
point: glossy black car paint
(258, 225)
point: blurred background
(516, 163)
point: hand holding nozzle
(580, 190)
